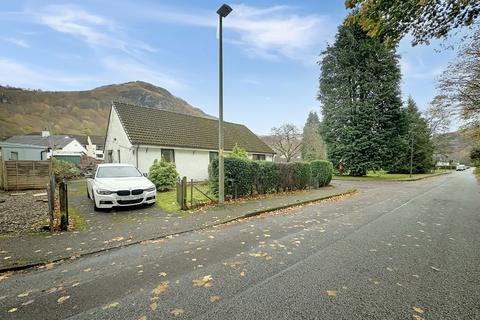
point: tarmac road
(395, 250)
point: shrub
(286, 171)
(163, 174)
(267, 176)
(239, 176)
(238, 152)
(301, 174)
(64, 169)
(322, 172)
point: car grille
(137, 191)
(129, 201)
(123, 192)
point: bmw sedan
(119, 185)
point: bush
(322, 172)
(238, 152)
(267, 176)
(286, 171)
(163, 174)
(302, 175)
(239, 176)
(64, 169)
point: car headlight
(150, 189)
(104, 192)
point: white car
(461, 167)
(119, 185)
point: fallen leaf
(52, 290)
(118, 239)
(5, 275)
(162, 274)
(436, 269)
(75, 284)
(214, 298)
(49, 266)
(143, 318)
(13, 310)
(153, 306)
(332, 293)
(416, 317)
(205, 281)
(417, 309)
(177, 312)
(242, 274)
(63, 299)
(161, 288)
(111, 305)
(87, 270)
(24, 294)
(26, 303)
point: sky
(271, 50)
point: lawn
(382, 175)
(168, 200)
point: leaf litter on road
(63, 299)
(177, 312)
(205, 281)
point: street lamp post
(222, 12)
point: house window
(258, 156)
(13, 155)
(168, 155)
(118, 153)
(212, 155)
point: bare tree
(438, 116)
(287, 141)
(459, 84)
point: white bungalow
(139, 135)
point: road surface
(395, 250)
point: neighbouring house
(92, 143)
(140, 135)
(42, 146)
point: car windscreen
(118, 172)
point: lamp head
(224, 10)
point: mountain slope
(455, 146)
(24, 111)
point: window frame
(212, 155)
(259, 156)
(172, 154)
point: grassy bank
(382, 175)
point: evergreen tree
(313, 147)
(417, 154)
(360, 94)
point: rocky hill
(79, 112)
(455, 146)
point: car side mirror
(88, 175)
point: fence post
(63, 205)
(184, 193)
(191, 193)
(51, 200)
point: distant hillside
(24, 111)
(454, 146)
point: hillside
(454, 146)
(77, 112)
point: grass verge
(168, 200)
(79, 223)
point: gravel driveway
(22, 212)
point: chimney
(45, 134)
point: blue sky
(270, 52)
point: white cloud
(269, 33)
(124, 69)
(26, 76)
(111, 70)
(94, 29)
(418, 70)
(18, 42)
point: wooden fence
(25, 174)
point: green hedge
(322, 172)
(246, 177)
(302, 175)
(239, 176)
(267, 177)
